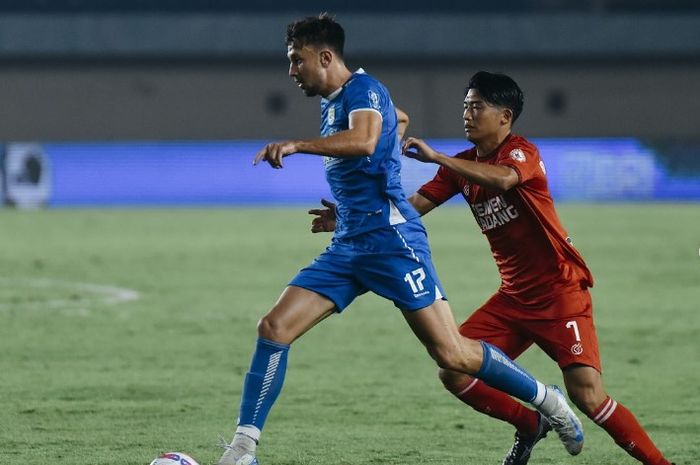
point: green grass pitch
(88, 380)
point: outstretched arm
(492, 176)
(402, 123)
(359, 140)
(421, 204)
(324, 218)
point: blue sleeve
(367, 94)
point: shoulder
(363, 82)
(468, 154)
(520, 149)
(363, 91)
(522, 143)
(361, 76)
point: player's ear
(326, 57)
(507, 116)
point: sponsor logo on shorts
(577, 349)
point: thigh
(396, 264)
(296, 311)
(435, 326)
(585, 387)
(570, 337)
(331, 275)
(491, 323)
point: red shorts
(564, 329)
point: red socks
(624, 428)
(497, 404)
(614, 418)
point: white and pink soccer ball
(174, 458)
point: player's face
(481, 119)
(305, 68)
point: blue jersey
(367, 190)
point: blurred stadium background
(125, 331)
(623, 75)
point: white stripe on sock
(272, 365)
(608, 404)
(468, 388)
(612, 408)
(249, 430)
(539, 395)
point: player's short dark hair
(321, 30)
(498, 89)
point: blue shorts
(393, 262)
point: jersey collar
(497, 149)
(337, 92)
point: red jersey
(534, 255)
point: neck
(487, 146)
(336, 78)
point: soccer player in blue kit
(379, 245)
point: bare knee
(586, 391)
(447, 377)
(444, 359)
(464, 357)
(454, 381)
(586, 398)
(270, 328)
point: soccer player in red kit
(543, 297)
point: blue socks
(263, 382)
(499, 371)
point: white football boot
(241, 451)
(562, 419)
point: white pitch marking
(100, 293)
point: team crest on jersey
(331, 115)
(465, 189)
(577, 349)
(373, 99)
(517, 155)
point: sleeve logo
(517, 155)
(373, 99)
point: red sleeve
(441, 188)
(525, 159)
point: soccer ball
(174, 458)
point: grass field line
(49, 293)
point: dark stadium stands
(386, 6)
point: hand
(274, 152)
(325, 217)
(421, 151)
